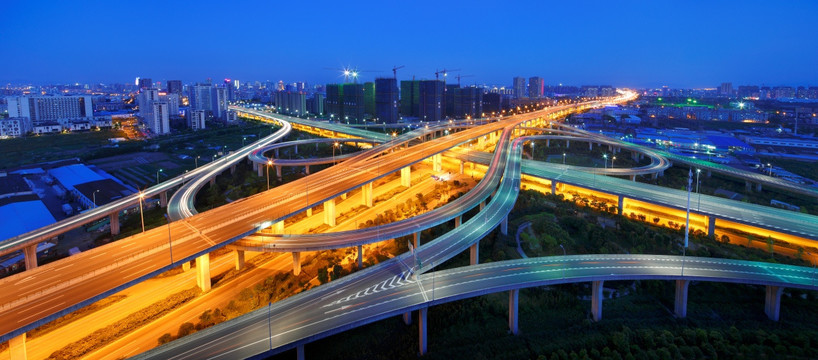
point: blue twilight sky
(622, 43)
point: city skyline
(625, 45)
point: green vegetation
(34, 149)
(76, 315)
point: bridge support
(567, 144)
(633, 177)
(596, 299)
(474, 253)
(276, 152)
(307, 169)
(590, 145)
(416, 239)
(309, 211)
(186, 266)
(772, 305)
(360, 257)
(203, 272)
(711, 226)
(457, 221)
(259, 169)
(461, 167)
(513, 297)
(239, 259)
(482, 205)
(366, 195)
(296, 149)
(406, 176)
(621, 204)
(163, 199)
(299, 352)
(553, 188)
(329, 212)
(437, 162)
(232, 169)
(296, 263)
(17, 347)
(278, 172)
(278, 227)
(758, 187)
(422, 330)
(407, 318)
(680, 308)
(213, 181)
(547, 142)
(114, 221)
(504, 226)
(30, 255)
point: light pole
(605, 158)
(242, 140)
(334, 145)
(157, 176)
(269, 163)
(95, 198)
(698, 194)
(141, 195)
(564, 254)
(170, 243)
(687, 218)
(563, 158)
(612, 161)
(771, 168)
(196, 159)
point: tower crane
(395, 70)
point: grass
(28, 150)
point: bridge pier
(457, 221)
(186, 266)
(772, 304)
(437, 164)
(461, 167)
(406, 176)
(203, 272)
(621, 204)
(278, 172)
(474, 253)
(276, 152)
(17, 347)
(309, 211)
(259, 169)
(567, 144)
(504, 226)
(366, 195)
(360, 257)
(232, 169)
(590, 145)
(547, 142)
(422, 330)
(553, 188)
(296, 149)
(296, 263)
(633, 177)
(596, 299)
(416, 239)
(680, 308)
(329, 212)
(307, 169)
(407, 318)
(163, 199)
(278, 227)
(758, 187)
(239, 259)
(513, 299)
(299, 352)
(30, 255)
(114, 221)
(711, 226)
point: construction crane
(444, 72)
(395, 70)
(349, 72)
(461, 76)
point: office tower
(291, 103)
(50, 108)
(175, 87)
(726, 89)
(431, 100)
(145, 83)
(451, 101)
(334, 102)
(200, 97)
(315, 104)
(196, 119)
(354, 105)
(145, 99)
(229, 88)
(220, 102)
(410, 98)
(519, 87)
(173, 102)
(386, 100)
(607, 90)
(470, 102)
(369, 99)
(589, 91)
(159, 120)
(492, 103)
(536, 87)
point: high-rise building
(173, 102)
(386, 100)
(492, 103)
(519, 87)
(726, 89)
(159, 122)
(213, 99)
(145, 100)
(431, 100)
(196, 119)
(536, 87)
(369, 99)
(145, 83)
(315, 104)
(335, 101)
(50, 108)
(451, 101)
(410, 98)
(354, 103)
(175, 87)
(471, 102)
(220, 102)
(200, 97)
(291, 103)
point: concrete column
(30, 255)
(553, 188)
(596, 299)
(276, 152)
(203, 272)
(711, 226)
(513, 297)
(296, 149)
(278, 227)
(366, 195)
(772, 305)
(232, 169)
(621, 204)
(567, 144)
(163, 199)
(504, 226)
(299, 352)
(748, 185)
(278, 172)
(239, 259)
(406, 176)
(482, 205)
(709, 173)
(547, 142)
(416, 239)
(360, 256)
(309, 212)
(461, 167)
(437, 162)
(186, 266)
(329, 212)
(259, 169)
(407, 318)
(213, 181)
(633, 177)
(344, 196)
(114, 220)
(422, 330)
(17, 347)
(758, 187)
(457, 221)
(307, 169)
(681, 298)
(590, 145)
(474, 253)
(296, 263)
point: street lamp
(563, 158)
(771, 168)
(94, 195)
(605, 157)
(564, 254)
(698, 194)
(141, 195)
(244, 138)
(612, 161)
(334, 145)
(157, 176)
(196, 159)
(170, 243)
(269, 163)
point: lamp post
(687, 218)
(698, 194)
(243, 139)
(563, 158)
(170, 243)
(157, 176)
(612, 161)
(334, 145)
(94, 195)
(564, 254)
(196, 159)
(605, 158)
(771, 168)
(269, 163)
(141, 196)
